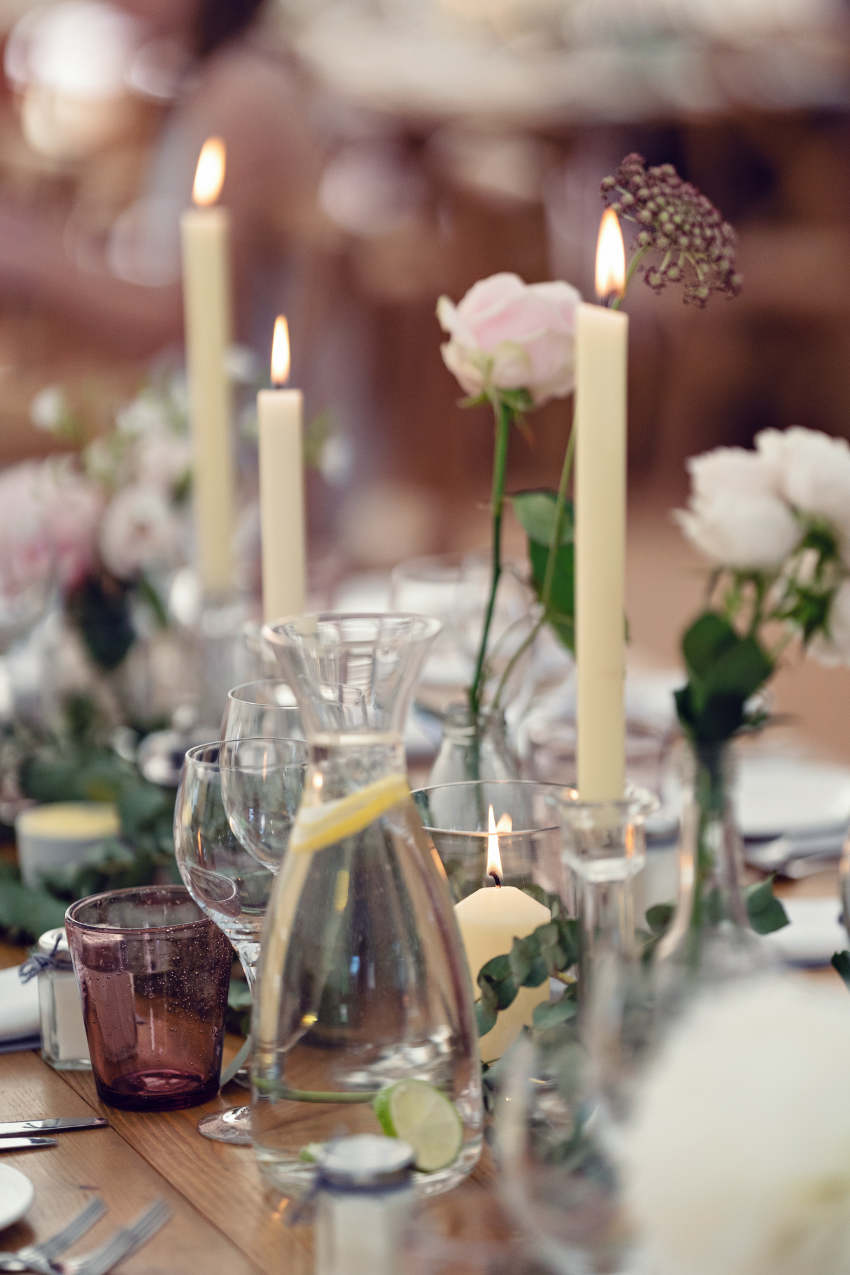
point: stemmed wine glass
(225, 879)
(266, 707)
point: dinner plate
(16, 1193)
(783, 794)
(813, 934)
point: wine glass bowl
(265, 707)
(262, 780)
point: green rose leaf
(536, 512)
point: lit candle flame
(280, 351)
(610, 258)
(494, 858)
(209, 175)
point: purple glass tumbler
(153, 973)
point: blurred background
(382, 152)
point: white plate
(815, 932)
(16, 1193)
(780, 794)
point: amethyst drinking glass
(153, 972)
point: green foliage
(537, 514)
(724, 670)
(78, 769)
(841, 964)
(765, 911)
(101, 609)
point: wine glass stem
(249, 959)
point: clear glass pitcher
(363, 983)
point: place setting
(442, 933)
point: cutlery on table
(59, 1124)
(125, 1241)
(23, 1144)
(38, 1256)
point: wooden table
(223, 1219)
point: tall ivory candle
(205, 235)
(280, 414)
(489, 920)
(600, 527)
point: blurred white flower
(506, 334)
(731, 469)
(812, 472)
(737, 1160)
(49, 409)
(746, 531)
(833, 647)
(163, 458)
(140, 531)
(242, 365)
(145, 413)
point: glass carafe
(363, 982)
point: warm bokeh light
(280, 351)
(209, 175)
(494, 858)
(610, 257)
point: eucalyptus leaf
(553, 1013)
(764, 910)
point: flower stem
(549, 574)
(630, 273)
(504, 419)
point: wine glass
(230, 885)
(261, 785)
(266, 707)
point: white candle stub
(489, 921)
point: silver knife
(10, 1128)
(20, 1144)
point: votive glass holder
(153, 974)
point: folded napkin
(19, 1023)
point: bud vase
(363, 982)
(473, 749)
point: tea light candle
(489, 920)
(57, 835)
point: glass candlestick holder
(604, 850)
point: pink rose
(508, 335)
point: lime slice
(420, 1115)
(321, 825)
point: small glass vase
(363, 980)
(710, 935)
(473, 748)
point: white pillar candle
(205, 235)
(600, 528)
(280, 414)
(489, 920)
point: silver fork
(118, 1246)
(47, 1250)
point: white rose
(739, 529)
(506, 335)
(140, 531)
(812, 471)
(730, 469)
(833, 646)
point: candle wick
(494, 877)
